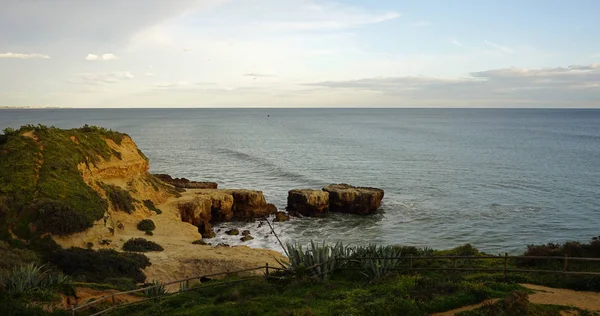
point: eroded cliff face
(128, 169)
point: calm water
(499, 179)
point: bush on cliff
(120, 199)
(146, 225)
(141, 245)
(150, 205)
(58, 218)
(41, 163)
(97, 266)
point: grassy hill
(41, 188)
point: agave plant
(24, 278)
(157, 290)
(317, 259)
(384, 259)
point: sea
(499, 179)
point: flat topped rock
(308, 202)
(185, 183)
(345, 198)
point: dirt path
(547, 295)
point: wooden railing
(112, 297)
(410, 267)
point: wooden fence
(112, 297)
(455, 259)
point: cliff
(89, 187)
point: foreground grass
(343, 294)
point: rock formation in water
(308, 202)
(185, 183)
(281, 217)
(345, 198)
(213, 206)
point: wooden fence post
(566, 260)
(267, 268)
(505, 267)
(72, 310)
(410, 261)
(113, 298)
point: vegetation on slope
(141, 245)
(120, 199)
(41, 189)
(146, 225)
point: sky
(300, 53)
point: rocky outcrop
(250, 204)
(185, 183)
(345, 198)
(213, 206)
(281, 217)
(308, 202)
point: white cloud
(329, 16)
(149, 74)
(94, 57)
(169, 85)
(504, 49)
(102, 78)
(536, 85)
(257, 75)
(23, 56)
(456, 42)
(341, 22)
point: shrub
(141, 245)
(11, 257)
(97, 266)
(124, 284)
(148, 233)
(146, 225)
(119, 198)
(57, 218)
(150, 205)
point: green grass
(517, 303)
(34, 174)
(394, 295)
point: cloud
(23, 56)
(257, 75)
(504, 49)
(86, 21)
(169, 85)
(102, 78)
(326, 17)
(94, 57)
(456, 42)
(149, 74)
(537, 85)
(187, 49)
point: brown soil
(547, 295)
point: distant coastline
(32, 107)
